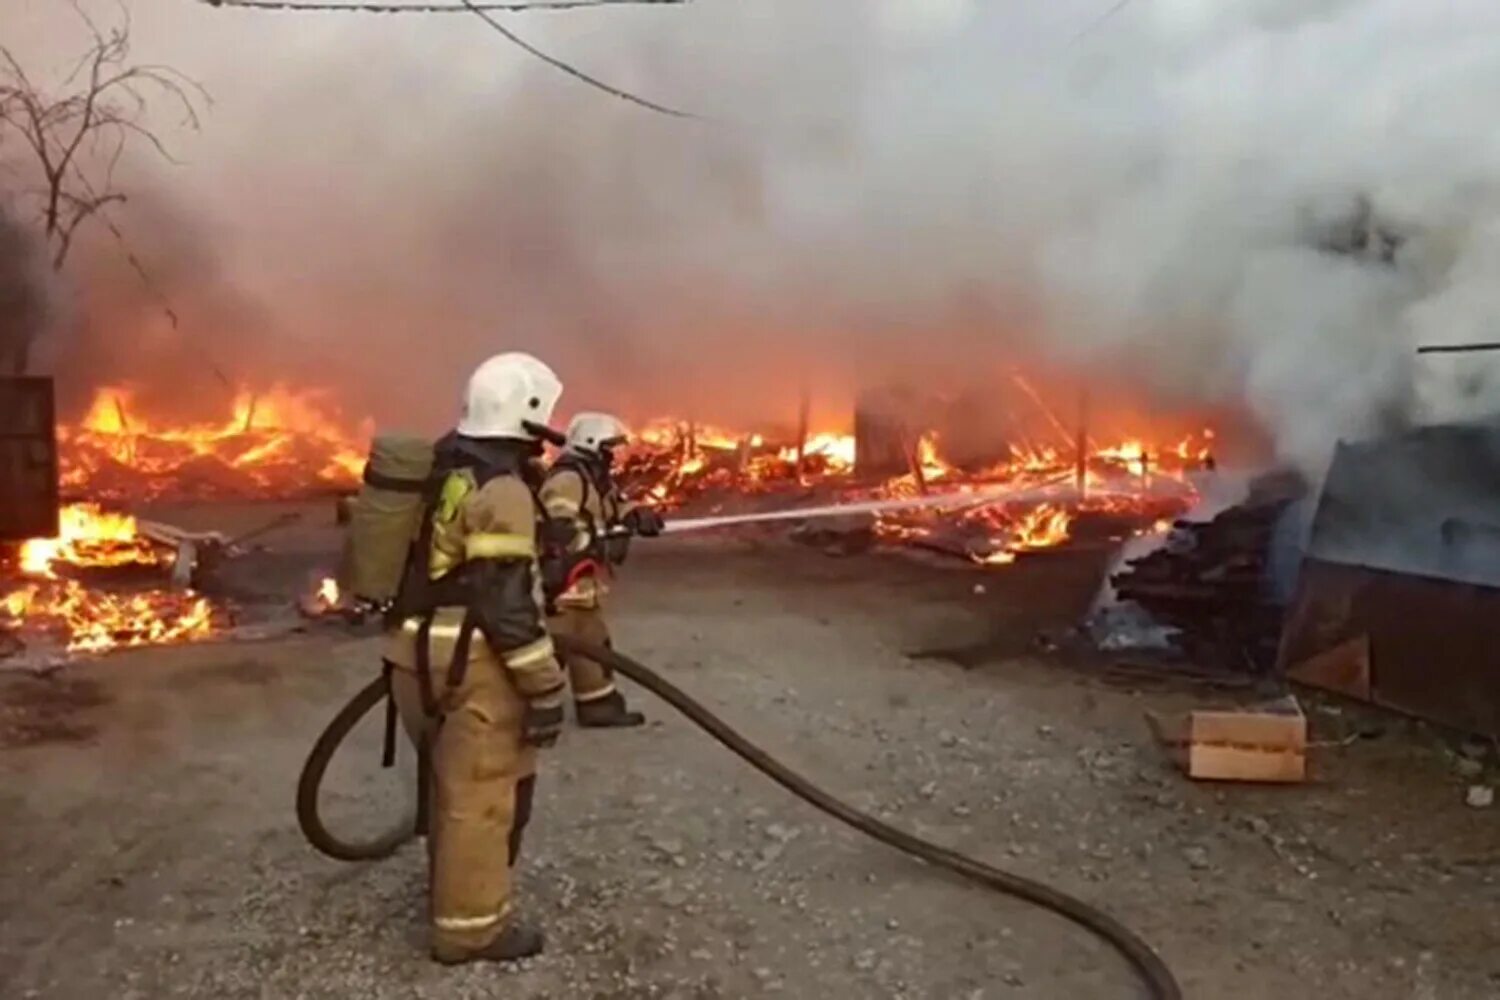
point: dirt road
(150, 850)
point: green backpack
(385, 518)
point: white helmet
(510, 396)
(591, 432)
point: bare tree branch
(79, 211)
(96, 112)
(101, 113)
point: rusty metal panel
(1433, 649)
(1321, 615)
(1430, 642)
(28, 459)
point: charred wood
(1209, 581)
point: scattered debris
(1480, 797)
(1468, 767)
(1208, 584)
(1128, 626)
(1135, 672)
(1474, 749)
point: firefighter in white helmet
(590, 531)
(474, 672)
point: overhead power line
(332, 6)
(483, 9)
(577, 74)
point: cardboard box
(1258, 743)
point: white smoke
(1231, 140)
(1195, 195)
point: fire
(929, 461)
(1131, 454)
(1034, 459)
(277, 442)
(1042, 527)
(674, 462)
(836, 449)
(88, 619)
(93, 621)
(87, 536)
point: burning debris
(1027, 501)
(279, 443)
(1207, 588)
(324, 599)
(110, 580)
(60, 601)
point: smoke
(25, 303)
(1260, 205)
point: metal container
(28, 459)
(1399, 597)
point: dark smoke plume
(24, 298)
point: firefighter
(591, 525)
(473, 670)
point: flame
(1042, 527)
(1131, 454)
(672, 461)
(88, 619)
(328, 591)
(275, 442)
(837, 450)
(87, 536)
(1028, 458)
(931, 463)
(675, 462)
(94, 621)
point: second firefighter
(591, 527)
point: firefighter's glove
(645, 521)
(542, 721)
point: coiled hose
(1152, 970)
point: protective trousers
(483, 779)
(591, 681)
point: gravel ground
(150, 849)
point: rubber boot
(519, 940)
(607, 713)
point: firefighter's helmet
(511, 396)
(596, 433)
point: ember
(90, 620)
(278, 443)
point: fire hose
(1147, 964)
